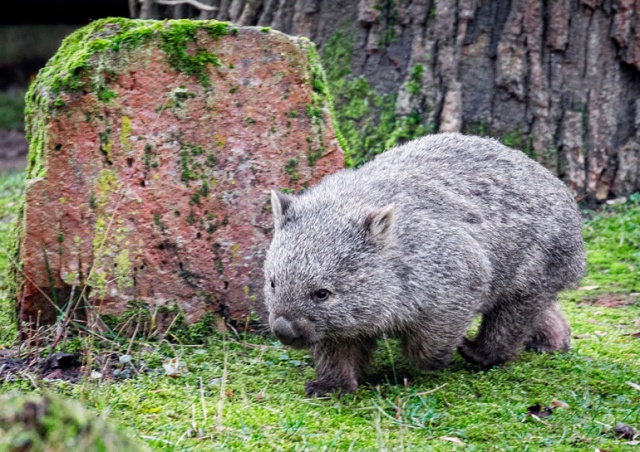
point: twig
(133, 336)
(223, 387)
(194, 3)
(42, 292)
(204, 406)
(155, 438)
(67, 316)
(31, 379)
(430, 390)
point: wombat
(415, 244)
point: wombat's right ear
(379, 223)
(279, 205)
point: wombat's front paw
(320, 388)
(476, 354)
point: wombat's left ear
(279, 205)
(379, 223)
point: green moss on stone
(390, 19)
(46, 422)
(125, 133)
(107, 184)
(106, 144)
(366, 119)
(414, 85)
(322, 95)
(105, 94)
(291, 168)
(95, 54)
(183, 32)
(123, 269)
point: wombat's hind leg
(552, 332)
(430, 351)
(338, 365)
(504, 330)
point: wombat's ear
(378, 224)
(279, 205)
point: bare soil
(13, 150)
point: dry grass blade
(223, 388)
(634, 385)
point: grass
(246, 392)
(614, 247)
(12, 110)
(11, 186)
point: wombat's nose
(285, 331)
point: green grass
(11, 186)
(12, 110)
(246, 392)
(614, 247)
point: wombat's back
(520, 215)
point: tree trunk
(557, 78)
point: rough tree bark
(557, 78)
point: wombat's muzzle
(289, 333)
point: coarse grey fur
(415, 244)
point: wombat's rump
(416, 244)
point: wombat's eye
(273, 284)
(321, 294)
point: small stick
(193, 3)
(204, 406)
(223, 387)
(431, 390)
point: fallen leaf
(623, 431)
(636, 334)
(173, 367)
(581, 336)
(452, 439)
(588, 287)
(559, 404)
(613, 202)
(124, 359)
(538, 411)
(600, 333)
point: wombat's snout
(287, 332)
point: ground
(13, 145)
(213, 391)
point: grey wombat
(415, 245)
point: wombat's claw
(470, 352)
(320, 388)
(543, 345)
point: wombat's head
(324, 271)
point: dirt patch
(611, 300)
(70, 367)
(13, 150)
(59, 366)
